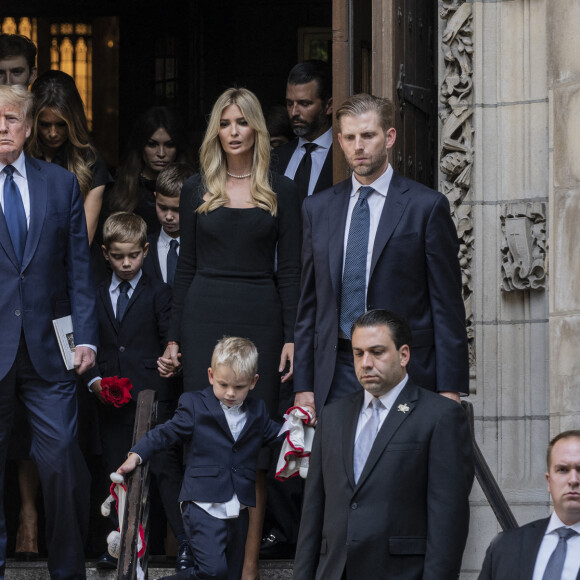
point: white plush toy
(295, 453)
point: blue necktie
(366, 438)
(352, 295)
(123, 299)
(556, 562)
(14, 213)
(172, 261)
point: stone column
(505, 203)
(563, 19)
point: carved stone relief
(523, 246)
(456, 157)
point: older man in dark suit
(45, 274)
(390, 472)
(377, 240)
(547, 549)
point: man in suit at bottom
(45, 274)
(547, 549)
(390, 472)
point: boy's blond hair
(238, 353)
(172, 177)
(124, 227)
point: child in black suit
(161, 260)
(226, 430)
(133, 311)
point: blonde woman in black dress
(239, 264)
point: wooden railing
(137, 504)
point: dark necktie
(366, 438)
(14, 213)
(558, 557)
(172, 261)
(352, 295)
(302, 175)
(123, 299)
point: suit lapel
(105, 297)
(393, 209)
(284, 155)
(6, 241)
(214, 407)
(38, 191)
(338, 208)
(154, 255)
(141, 285)
(250, 418)
(407, 399)
(529, 547)
(348, 435)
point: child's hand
(129, 465)
(96, 386)
(169, 363)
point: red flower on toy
(116, 390)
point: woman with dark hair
(238, 272)
(60, 134)
(155, 142)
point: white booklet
(66, 341)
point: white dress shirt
(318, 158)
(162, 251)
(387, 400)
(114, 288)
(548, 545)
(21, 181)
(236, 417)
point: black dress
(226, 283)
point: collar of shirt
(165, 239)
(555, 523)
(323, 142)
(380, 185)
(116, 282)
(19, 165)
(387, 400)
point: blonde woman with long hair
(60, 134)
(239, 264)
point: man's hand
(130, 464)
(451, 395)
(84, 359)
(305, 399)
(169, 363)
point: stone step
(269, 570)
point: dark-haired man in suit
(45, 274)
(547, 549)
(308, 158)
(377, 240)
(390, 472)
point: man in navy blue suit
(45, 275)
(377, 240)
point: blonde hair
(124, 227)
(213, 159)
(56, 91)
(17, 96)
(238, 353)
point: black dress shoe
(273, 547)
(184, 557)
(106, 562)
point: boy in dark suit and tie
(226, 430)
(161, 260)
(133, 314)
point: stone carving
(523, 246)
(456, 157)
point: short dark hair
(357, 105)
(571, 434)
(18, 45)
(398, 326)
(171, 178)
(313, 70)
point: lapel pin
(404, 408)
